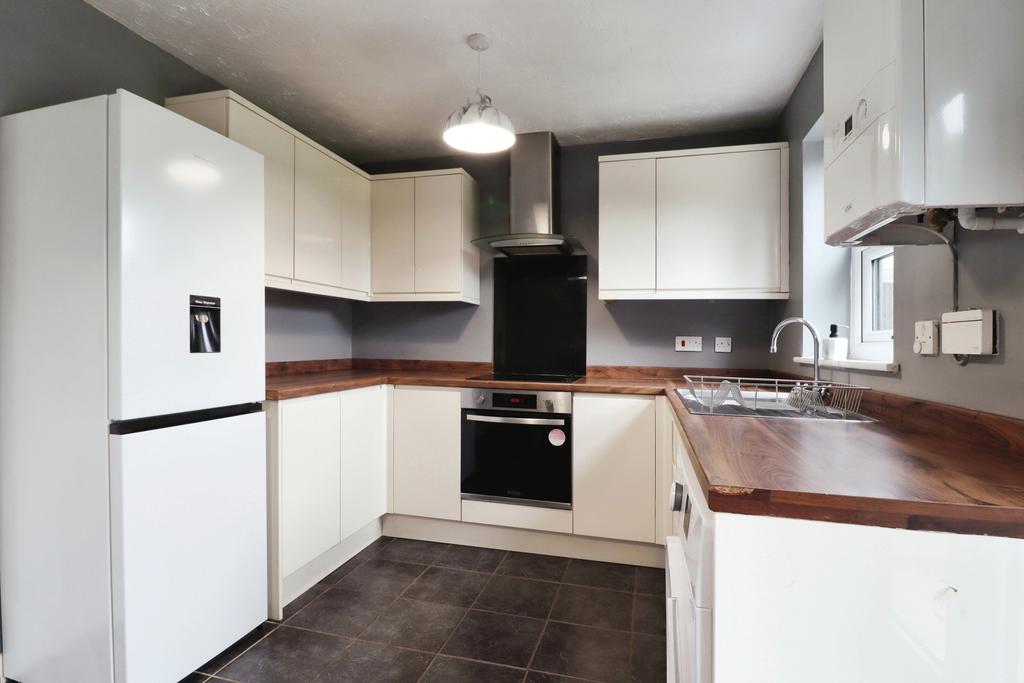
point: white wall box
(426, 451)
(328, 484)
(423, 228)
(614, 467)
(916, 121)
(695, 224)
(317, 204)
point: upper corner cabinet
(316, 207)
(423, 228)
(922, 105)
(695, 224)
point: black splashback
(540, 316)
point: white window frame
(866, 344)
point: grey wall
(54, 51)
(990, 277)
(307, 327)
(619, 333)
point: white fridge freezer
(132, 438)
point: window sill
(851, 364)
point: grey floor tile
(649, 661)
(650, 580)
(593, 607)
(649, 614)
(542, 677)
(376, 663)
(305, 598)
(195, 678)
(497, 638)
(468, 557)
(524, 597)
(447, 586)
(450, 670)
(530, 566)
(287, 655)
(243, 644)
(414, 624)
(418, 552)
(381, 576)
(618, 577)
(341, 612)
(584, 652)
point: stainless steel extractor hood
(533, 201)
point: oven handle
(517, 420)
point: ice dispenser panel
(204, 324)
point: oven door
(517, 457)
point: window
(872, 318)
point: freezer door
(185, 246)
(188, 544)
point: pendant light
(479, 127)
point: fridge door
(185, 247)
(188, 544)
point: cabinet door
(364, 457)
(613, 483)
(318, 216)
(626, 225)
(439, 233)
(427, 441)
(393, 255)
(278, 150)
(719, 222)
(310, 471)
(355, 236)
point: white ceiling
(375, 79)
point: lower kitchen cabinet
(427, 442)
(614, 467)
(364, 461)
(328, 479)
(308, 468)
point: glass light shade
(479, 127)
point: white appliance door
(189, 544)
(185, 220)
(679, 616)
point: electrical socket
(689, 344)
(723, 344)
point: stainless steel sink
(757, 397)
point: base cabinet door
(310, 469)
(613, 485)
(426, 450)
(364, 457)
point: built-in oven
(517, 447)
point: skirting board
(307, 576)
(524, 540)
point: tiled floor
(415, 611)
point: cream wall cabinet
(614, 467)
(695, 224)
(423, 228)
(317, 205)
(427, 446)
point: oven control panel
(527, 401)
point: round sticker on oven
(556, 437)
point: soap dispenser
(836, 347)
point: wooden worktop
(922, 465)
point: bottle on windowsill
(835, 347)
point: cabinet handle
(517, 420)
